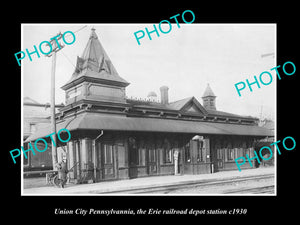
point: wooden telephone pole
(55, 48)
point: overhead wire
(69, 60)
(77, 30)
(68, 57)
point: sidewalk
(155, 181)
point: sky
(186, 59)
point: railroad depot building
(113, 137)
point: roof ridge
(182, 99)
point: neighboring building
(35, 116)
(270, 125)
(118, 138)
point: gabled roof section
(94, 63)
(177, 105)
(226, 114)
(190, 104)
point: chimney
(164, 95)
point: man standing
(62, 173)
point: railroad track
(255, 190)
(165, 189)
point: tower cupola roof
(95, 64)
(208, 92)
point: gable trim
(193, 101)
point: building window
(152, 155)
(89, 150)
(108, 154)
(167, 152)
(133, 151)
(32, 128)
(77, 148)
(187, 153)
(26, 160)
(230, 154)
(246, 151)
(239, 152)
(142, 152)
(168, 156)
(199, 151)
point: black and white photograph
(124, 113)
(172, 109)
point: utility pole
(260, 115)
(55, 48)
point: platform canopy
(94, 121)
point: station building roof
(96, 121)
